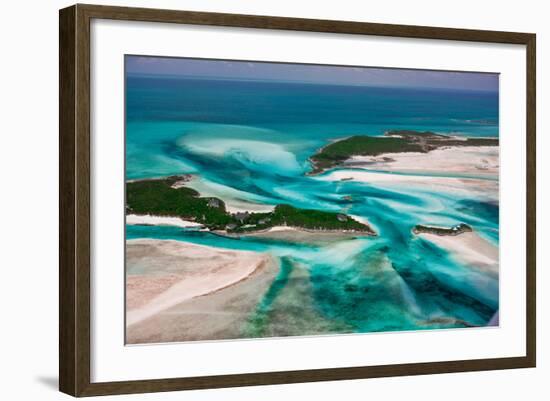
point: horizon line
(274, 80)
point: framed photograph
(250, 200)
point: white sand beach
(134, 219)
(470, 249)
(479, 161)
(236, 206)
(163, 275)
(483, 188)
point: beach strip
(149, 220)
(474, 161)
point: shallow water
(249, 142)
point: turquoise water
(249, 142)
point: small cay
(442, 231)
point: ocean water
(249, 142)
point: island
(169, 197)
(392, 142)
(464, 244)
(442, 231)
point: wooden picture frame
(74, 205)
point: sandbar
(486, 189)
(470, 249)
(178, 291)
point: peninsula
(400, 141)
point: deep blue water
(249, 143)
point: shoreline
(182, 204)
(300, 235)
(150, 220)
(294, 228)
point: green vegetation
(286, 215)
(315, 219)
(455, 230)
(159, 198)
(337, 152)
(392, 142)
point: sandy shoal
(177, 291)
(170, 272)
(479, 161)
(134, 219)
(468, 248)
